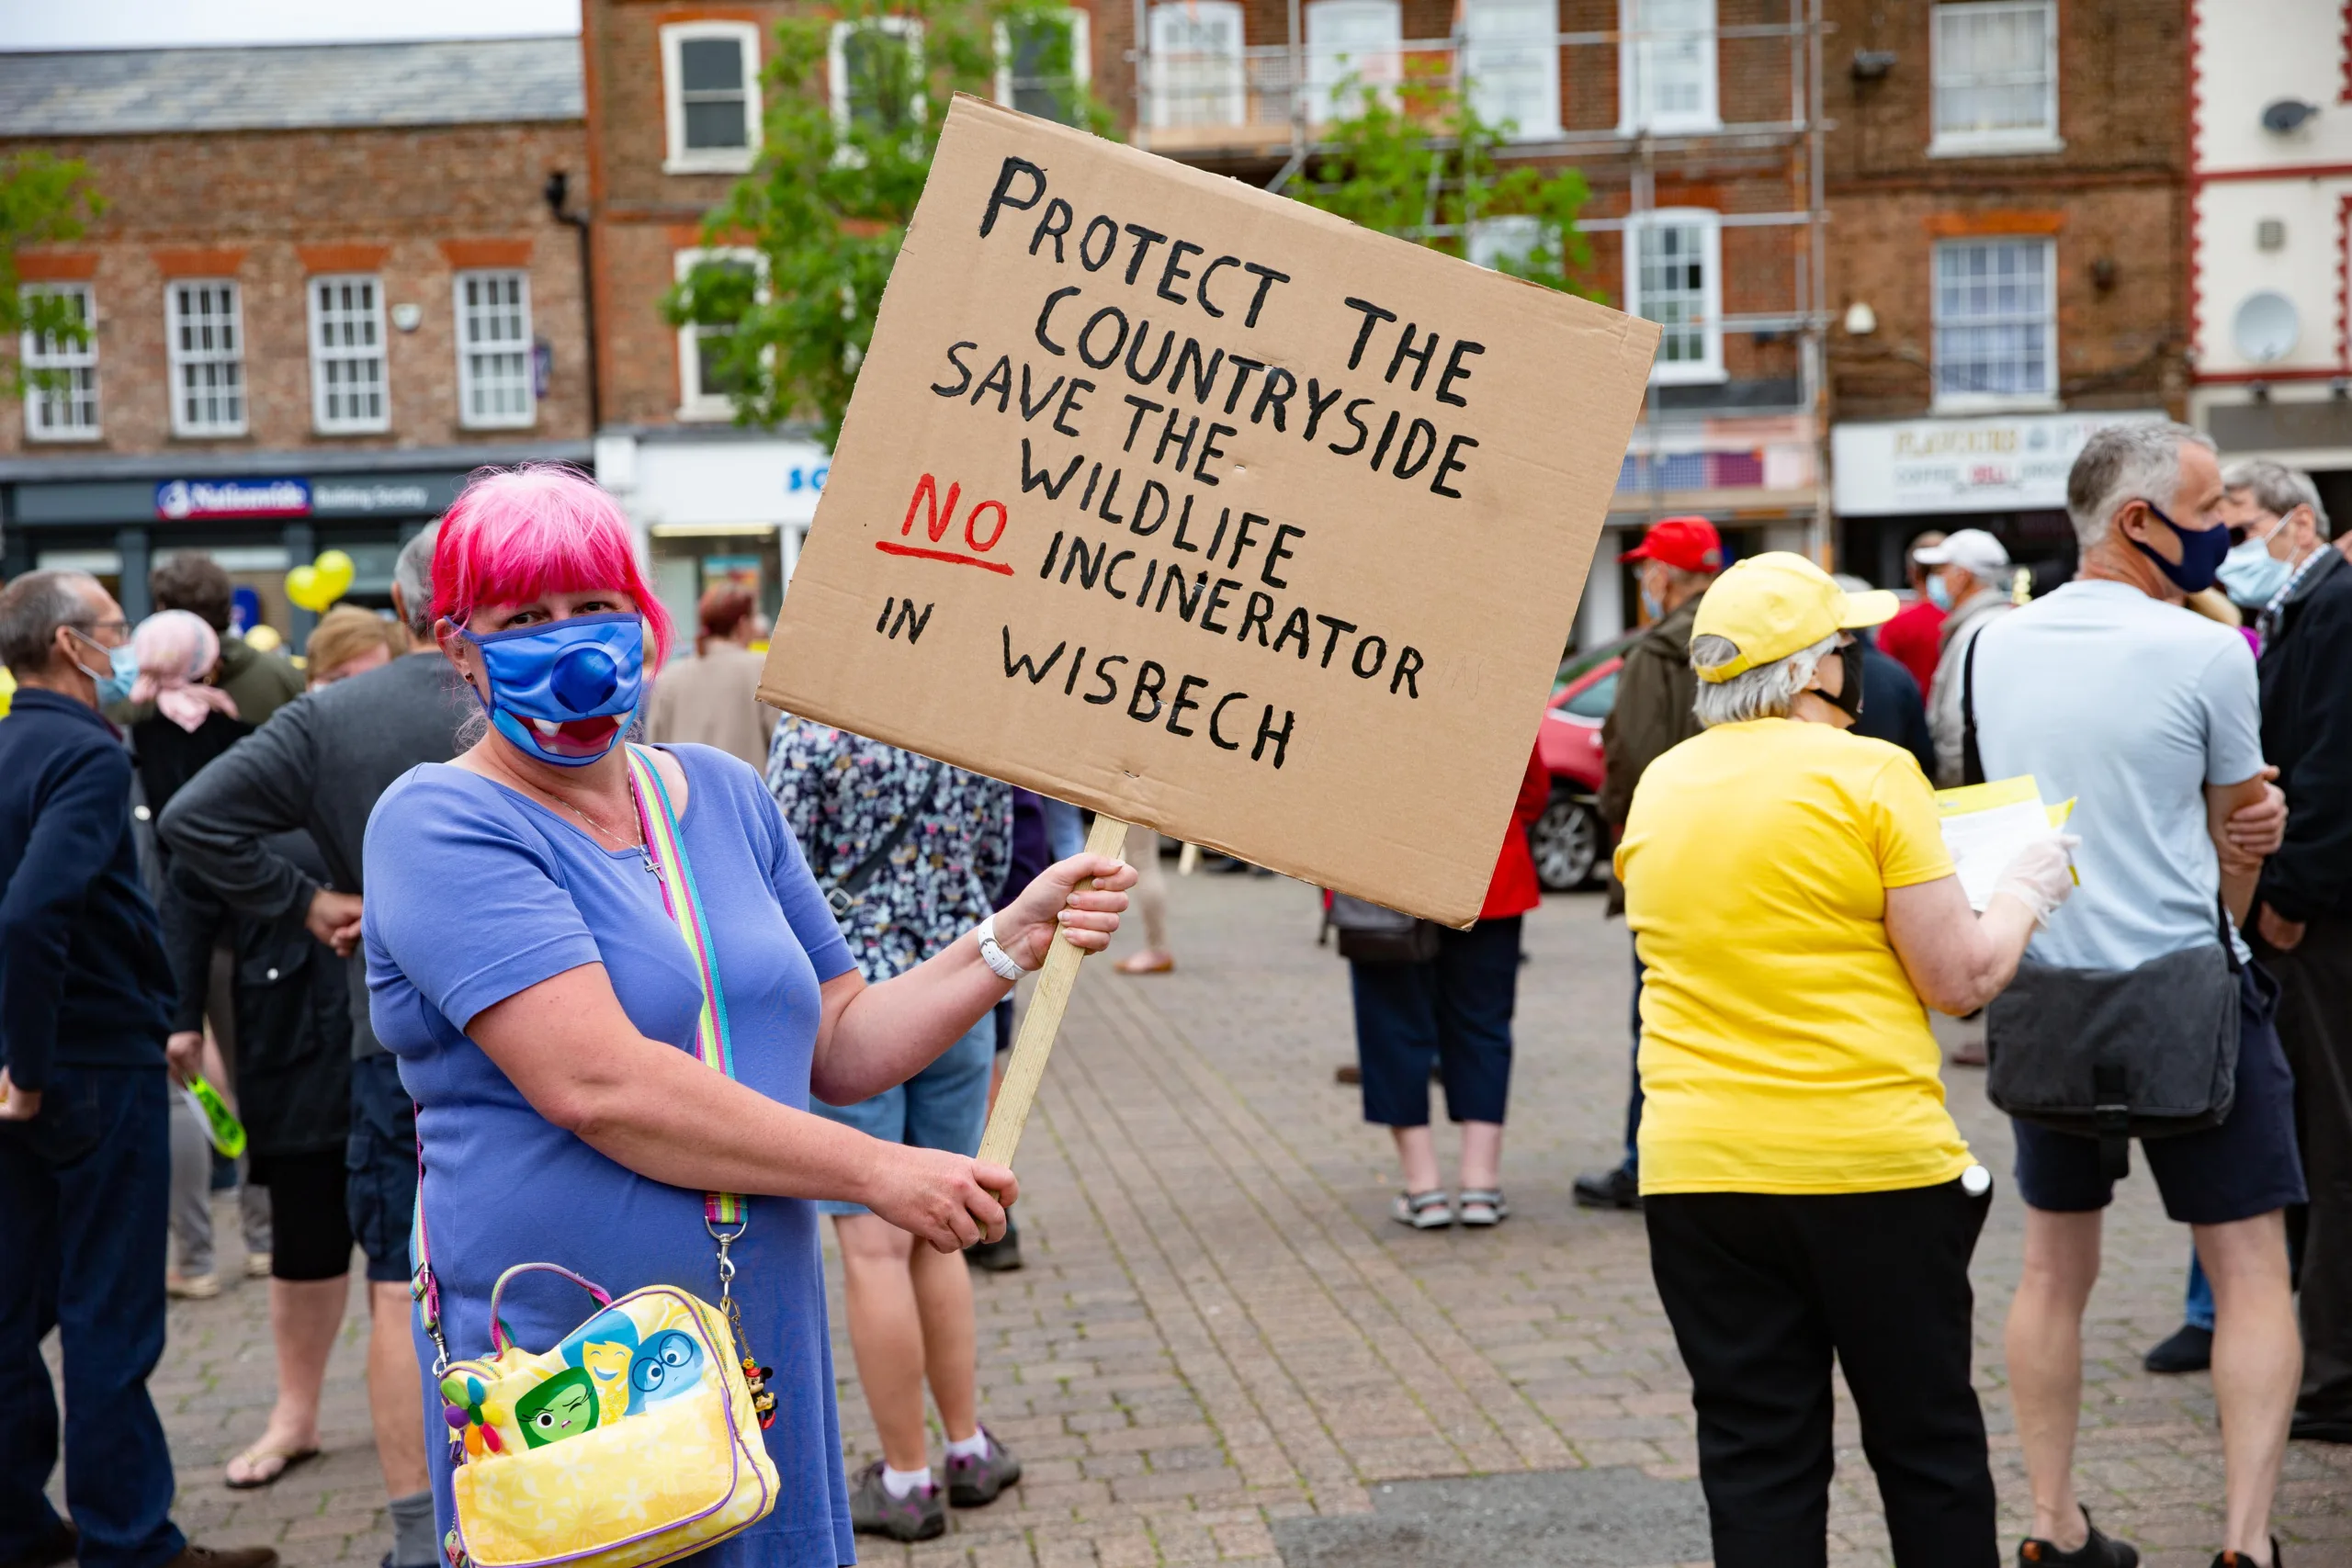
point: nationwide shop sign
(187, 501)
(1212, 511)
(2006, 463)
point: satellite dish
(2266, 327)
(2283, 115)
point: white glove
(2040, 875)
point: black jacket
(292, 1006)
(1893, 709)
(83, 977)
(318, 765)
(2306, 672)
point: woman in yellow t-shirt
(1806, 1191)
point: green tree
(1420, 163)
(43, 201)
(827, 204)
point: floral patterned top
(843, 793)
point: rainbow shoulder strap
(680, 896)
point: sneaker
(192, 1287)
(920, 1515)
(256, 1265)
(974, 1483)
(2226, 1559)
(2096, 1552)
(1422, 1211)
(1001, 1255)
(194, 1556)
(2189, 1350)
(1615, 1189)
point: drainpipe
(558, 185)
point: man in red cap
(1679, 557)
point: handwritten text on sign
(1211, 512)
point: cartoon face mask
(564, 691)
(563, 1406)
(671, 1365)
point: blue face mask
(122, 669)
(1940, 592)
(2252, 575)
(586, 667)
(2202, 550)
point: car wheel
(1566, 844)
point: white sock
(899, 1482)
(973, 1446)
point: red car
(1569, 839)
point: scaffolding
(1205, 94)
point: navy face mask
(546, 678)
(2202, 551)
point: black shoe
(1617, 1188)
(2321, 1428)
(1346, 1073)
(2189, 1350)
(2240, 1560)
(58, 1546)
(1001, 1255)
(2096, 1552)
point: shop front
(2006, 474)
(120, 518)
(715, 508)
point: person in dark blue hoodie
(85, 1001)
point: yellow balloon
(302, 587)
(263, 638)
(335, 571)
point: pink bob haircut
(515, 534)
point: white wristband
(994, 956)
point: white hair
(2121, 464)
(1766, 691)
(2277, 490)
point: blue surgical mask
(2252, 575)
(585, 667)
(1653, 607)
(1940, 592)
(122, 669)
(2202, 550)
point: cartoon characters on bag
(604, 1372)
(671, 1364)
(563, 1406)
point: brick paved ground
(1219, 1327)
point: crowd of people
(417, 904)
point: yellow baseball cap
(1769, 606)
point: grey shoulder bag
(2112, 1053)
(1374, 933)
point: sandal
(1150, 961)
(262, 1453)
(1484, 1206)
(1423, 1210)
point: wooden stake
(1043, 1021)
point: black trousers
(2315, 1028)
(1763, 1290)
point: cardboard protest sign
(1212, 511)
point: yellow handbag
(636, 1439)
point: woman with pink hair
(546, 1007)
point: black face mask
(1848, 700)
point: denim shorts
(2245, 1167)
(946, 1106)
(380, 1166)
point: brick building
(2270, 252)
(1691, 121)
(328, 282)
(2007, 183)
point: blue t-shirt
(475, 893)
(2132, 706)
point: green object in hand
(220, 1124)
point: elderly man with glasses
(85, 998)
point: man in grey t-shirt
(2148, 716)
